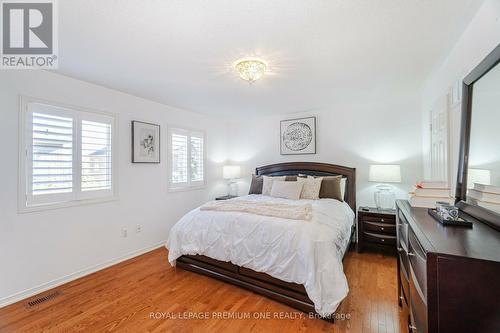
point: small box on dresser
(376, 229)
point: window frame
(76, 197)
(198, 185)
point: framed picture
(298, 136)
(145, 142)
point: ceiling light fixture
(250, 70)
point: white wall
(386, 131)
(480, 37)
(37, 248)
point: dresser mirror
(478, 185)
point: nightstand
(376, 229)
(226, 197)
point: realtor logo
(29, 34)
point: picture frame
(145, 142)
(298, 136)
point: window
(67, 155)
(187, 159)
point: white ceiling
(321, 52)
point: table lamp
(383, 174)
(230, 173)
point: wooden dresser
(448, 277)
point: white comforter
(304, 252)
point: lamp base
(384, 197)
(230, 184)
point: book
(432, 192)
(433, 184)
(488, 205)
(429, 202)
(484, 196)
(487, 188)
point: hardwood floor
(145, 294)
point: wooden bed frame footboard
(288, 293)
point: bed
(298, 263)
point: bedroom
(328, 88)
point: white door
(439, 139)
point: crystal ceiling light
(250, 70)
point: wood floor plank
(145, 294)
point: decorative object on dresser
(230, 173)
(487, 196)
(383, 174)
(145, 142)
(298, 136)
(376, 229)
(226, 197)
(478, 176)
(427, 193)
(447, 277)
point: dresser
(448, 277)
(376, 229)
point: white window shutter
(197, 158)
(187, 158)
(179, 160)
(96, 156)
(51, 157)
(68, 154)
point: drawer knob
(383, 240)
(382, 220)
(382, 228)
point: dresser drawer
(418, 307)
(418, 263)
(405, 283)
(379, 227)
(402, 231)
(387, 219)
(379, 238)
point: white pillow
(343, 183)
(268, 184)
(311, 188)
(287, 190)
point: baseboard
(73, 276)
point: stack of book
(427, 193)
(487, 196)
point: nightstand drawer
(390, 220)
(378, 227)
(379, 238)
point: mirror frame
(484, 215)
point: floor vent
(43, 299)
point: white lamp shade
(231, 171)
(385, 173)
(478, 176)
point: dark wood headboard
(315, 169)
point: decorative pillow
(256, 185)
(331, 188)
(286, 189)
(268, 184)
(311, 187)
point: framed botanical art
(298, 136)
(145, 142)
